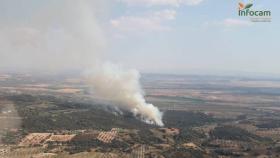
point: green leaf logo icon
(247, 6)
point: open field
(204, 116)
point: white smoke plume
(50, 36)
(65, 35)
(122, 87)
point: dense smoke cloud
(123, 89)
(65, 35)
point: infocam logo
(255, 15)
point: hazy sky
(177, 36)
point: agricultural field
(203, 116)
